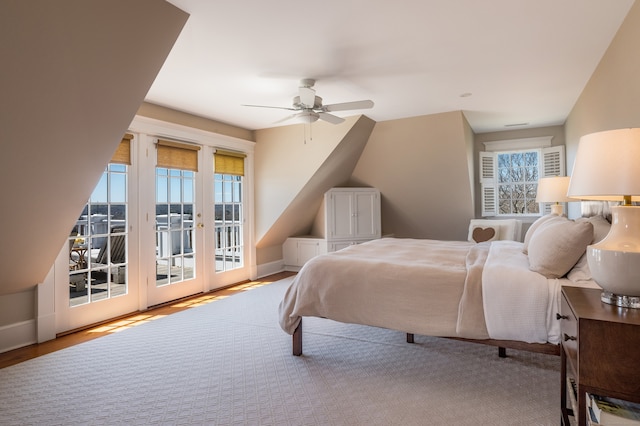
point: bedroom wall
(293, 169)
(67, 101)
(421, 167)
(611, 98)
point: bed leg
(297, 340)
(502, 352)
(409, 337)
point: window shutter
(123, 152)
(553, 161)
(488, 183)
(177, 155)
(228, 162)
(552, 165)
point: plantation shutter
(228, 162)
(177, 155)
(552, 164)
(553, 161)
(488, 184)
(123, 152)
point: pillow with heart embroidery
(480, 235)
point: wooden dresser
(600, 349)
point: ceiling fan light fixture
(307, 117)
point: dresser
(600, 350)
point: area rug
(229, 363)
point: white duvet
(429, 287)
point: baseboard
(292, 268)
(270, 268)
(14, 336)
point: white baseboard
(292, 268)
(14, 336)
(270, 268)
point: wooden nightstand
(601, 347)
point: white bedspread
(429, 287)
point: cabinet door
(366, 215)
(340, 215)
(307, 250)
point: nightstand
(600, 349)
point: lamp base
(620, 300)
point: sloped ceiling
(73, 76)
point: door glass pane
(98, 241)
(227, 207)
(175, 260)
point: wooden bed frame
(503, 345)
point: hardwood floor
(113, 326)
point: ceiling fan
(309, 107)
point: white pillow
(535, 225)
(601, 227)
(556, 246)
(505, 229)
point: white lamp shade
(606, 166)
(553, 190)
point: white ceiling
(522, 61)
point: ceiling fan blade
(330, 118)
(307, 97)
(267, 106)
(348, 105)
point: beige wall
(292, 172)
(69, 101)
(420, 167)
(611, 98)
(185, 119)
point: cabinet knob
(559, 317)
(567, 337)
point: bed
(503, 293)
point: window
(509, 173)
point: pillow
(505, 229)
(480, 234)
(556, 246)
(535, 225)
(601, 227)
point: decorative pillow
(535, 225)
(480, 235)
(601, 227)
(556, 246)
(505, 229)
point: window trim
(551, 163)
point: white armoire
(347, 216)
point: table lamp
(553, 190)
(607, 168)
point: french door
(178, 224)
(168, 222)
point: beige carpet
(229, 363)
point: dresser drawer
(569, 333)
